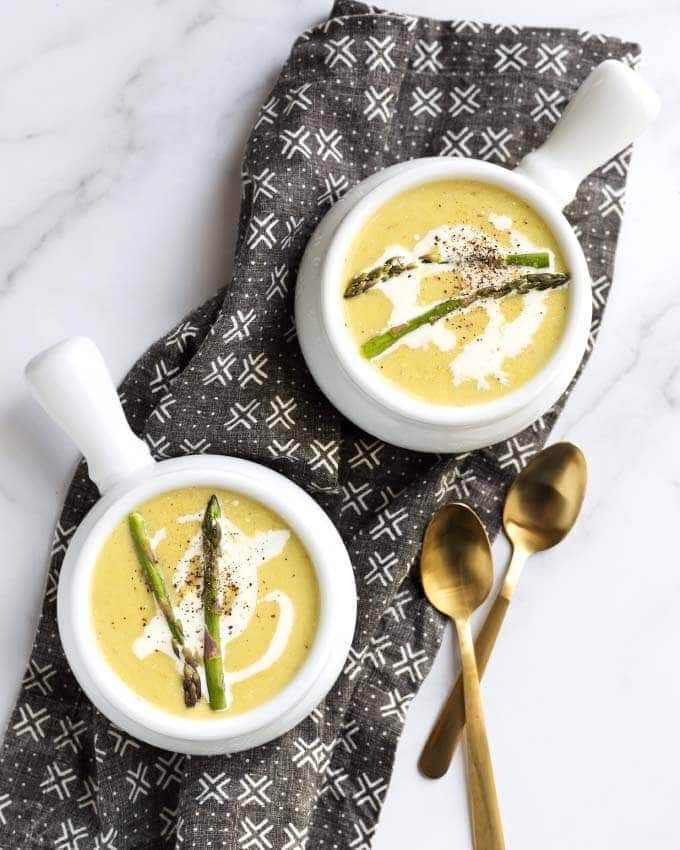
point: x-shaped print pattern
(360, 92)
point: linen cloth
(362, 91)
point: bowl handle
(72, 383)
(611, 108)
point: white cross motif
(61, 538)
(455, 142)
(295, 141)
(162, 410)
(121, 741)
(263, 184)
(348, 732)
(255, 790)
(242, 415)
(371, 792)
(455, 482)
(613, 201)
(58, 780)
(592, 335)
(88, 799)
(339, 51)
(296, 839)
(293, 227)
(379, 51)
(389, 523)
(5, 803)
(334, 189)
(139, 784)
(170, 769)
(262, 231)
(296, 97)
(314, 754)
(31, 722)
(254, 835)
(160, 383)
(517, 454)
(268, 113)
(70, 734)
(105, 840)
(39, 677)
(464, 100)
(398, 607)
(285, 451)
(397, 705)
(381, 568)
(366, 453)
(70, 836)
(427, 56)
(333, 782)
(410, 662)
(510, 57)
(551, 59)
(352, 666)
(499, 29)
(618, 164)
(375, 650)
(354, 497)
(213, 788)
(240, 326)
(600, 289)
(363, 833)
(547, 104)
(426, 101)
(279, 283)
(495, 144)
(378, 103)
(282, 413)
(172, 825)
(324, 455)
(190, 447)
(219, 370)
(159, 445)
(253, 370)
(327, 145)
(180, 336)
(462, 25)
(586, 35)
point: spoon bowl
(545, 499)
(456, 565)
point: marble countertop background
(121, 127)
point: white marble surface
(121, 126)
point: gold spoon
(457, 574)
(541, 508)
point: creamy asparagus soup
(204, 601)
(455, 292)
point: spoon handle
(448, 728)
(487, 827)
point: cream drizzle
(240, 559)
(483, 357)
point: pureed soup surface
(475, 354)
(269, 594)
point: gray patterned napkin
(362, 91)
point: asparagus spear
(212, 643)
(390, 268)
(396, 265)
(536, 260)
(191, 681)
(377, 344)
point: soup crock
(72, 383)
(611, 108)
